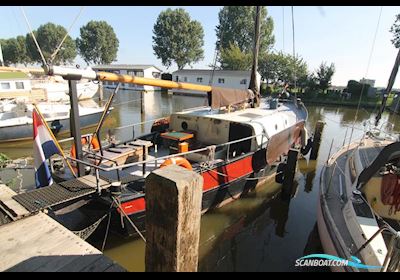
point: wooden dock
(39, 243)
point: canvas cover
(222, 97)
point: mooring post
(319, 127)
(289, 172)
(173, 213)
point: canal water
(260, 232)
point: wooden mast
(253, 85)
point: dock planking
(39, 243)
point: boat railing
(155, 159)
(102, 157)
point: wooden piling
(289, 172)
(173, 212)
(319, 127)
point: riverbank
(342, 103)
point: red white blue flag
(43, 147)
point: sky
(340, 35)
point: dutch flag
(43, 147)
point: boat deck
(56, 194)
(334, 178)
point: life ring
(180, 161)
(94, 143)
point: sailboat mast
(388, 88)
(253, 85)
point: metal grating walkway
(55, 194)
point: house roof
(13, 76)
(125, 66)
(208, 71)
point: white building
(221, 78)
(138, 70)
(14, 82)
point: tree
(395, 29)
(10, 51)
(98, 43)
(232, 58)
(49, 37)
(356, 89)
(22, 51)
(324, 75)
(280, 67)
(177, 38)
(236, 26)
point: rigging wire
(283, 28)
(65, 37)
(33, 36)
(366, 74)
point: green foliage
(280, 67)
(49, 37)
(3, 160)
(10, 51)
(356, 88)
(236, 26)
(177, 38)
(395, 29)
(232, 58)
(324, 75)
(14, 51)
(98, 43)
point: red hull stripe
(212, 180)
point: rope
(33, 36)
(65, 37)
(366, 74)
(107, 228)
(129, 219)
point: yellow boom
(106, 76)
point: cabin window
(243, 81)
(177, 78)
(5, 86)
(199, 79)
(116, 71)
(185, 79)
(19, 85)
(131, 73)
(156, 75)
(221, 81)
